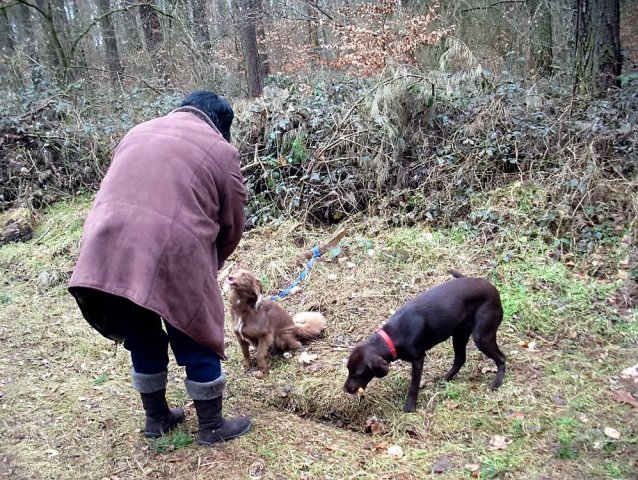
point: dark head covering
(215, 107)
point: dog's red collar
(388, 341)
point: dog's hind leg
(288, 341)
(486, 343)
(459, 340)
(415, 382)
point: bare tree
(200, 22)
(264, 65)
(541, 34)
(56, 53)
(598, 55)
(108, 33)
(248, 41)
(152, 33)
(6, 35)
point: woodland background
(497, 137)
(399, 108)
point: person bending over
(169, 212)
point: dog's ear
(256, 286)
(380, 367)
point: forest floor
(567, 409)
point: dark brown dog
(460, 308)
(263, 323)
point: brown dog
(460, 308)
(263, 323)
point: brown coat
(169, 212)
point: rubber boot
(213, 428)
(159, 418)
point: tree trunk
(598, 56)
(248, 40)
(152, 33)
(200, 20)
(56, 53)
(6, 36)
(6, 46)
(313, 27)
(264, 65)
(131, 27)
(110, 44)
(541, 37)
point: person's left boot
(159, 418)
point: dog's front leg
(415, 382)
(245, 351)
(262, 350)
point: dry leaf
(442, 464)
(530, 346)
(395, 451)
(612, 433)
(622, 396)
(374, 426)
(450, 404)
(256, 469)
(52, 453)
(489, 369)
(351, 265)
(472, 467)
(307, 358)
(631, 372)
(499, 442)
(332, 277)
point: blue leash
(316, 253)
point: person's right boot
(213, 427)
(159, 418)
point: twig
(332, 243)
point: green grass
(171, 442)
(66, 390)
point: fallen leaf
(451, 404)
(530, 346)
(307, 358)
(332, 277)
(472, 467)
(558, 400)
(375, 426)
(52, 453)
(612, 433)
(622, 396)
(442, 464)
(351, 265)
(256, 469)
(499, 442)
(258, 374)
(395, 451)
(631, 372)
(488, 369)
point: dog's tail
(456, 274)
(309, 325)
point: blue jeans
(120, 319)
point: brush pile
(406, 147)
